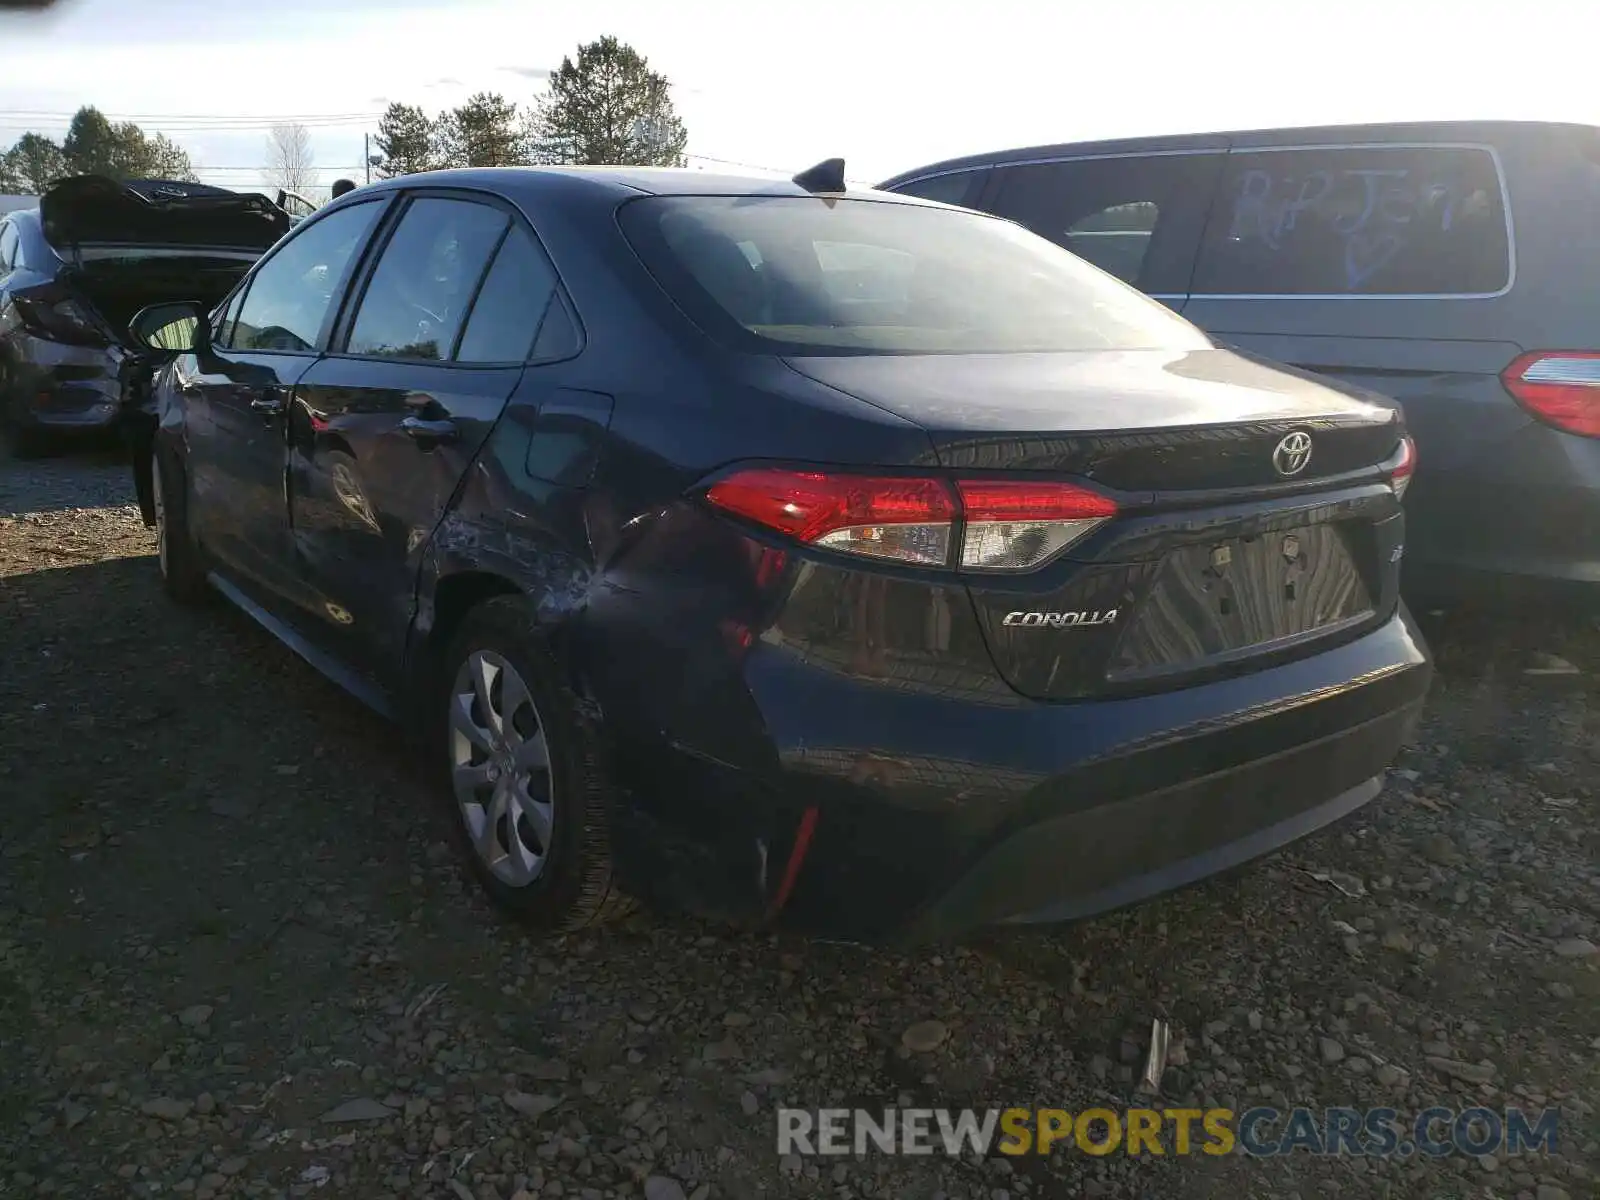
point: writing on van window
(1396, 221)
(1373, 211)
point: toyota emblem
(1292, 454)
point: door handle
(429, 433)
(269, 402)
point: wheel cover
(500, 768)
(158, 503)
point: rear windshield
(803, 275)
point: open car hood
(156, 212)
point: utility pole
(366, 154)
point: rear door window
(418, 296)
(958, 187)
(510, 305)
(1359, 220)
(1137, 217)
(559, 334)
(8, 248)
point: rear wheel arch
(442, 611)
(479, 612)
(457, 594)
(454, 597)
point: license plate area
(1236, 597)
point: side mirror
(174, 328)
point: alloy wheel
(500, 768)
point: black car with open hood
(94, 209)
(77, 267)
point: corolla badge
(1292, 453)
(1060, 620)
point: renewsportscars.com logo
(1257, 1132)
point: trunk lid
(1137, 420)
(94, 209)
(1218, 560)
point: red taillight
(1400, 474)
(1560, 387)
(880, 516)
(1009, 525)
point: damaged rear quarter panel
(564, 505)
(518, 514)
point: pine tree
(483, 132)
(406, 139)
(31, 166)
(96, 146)
(609, 107)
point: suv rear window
(797, 275)
(1367, 220)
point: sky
(781, 84)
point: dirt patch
(236, 958)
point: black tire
(576, 887)
(178, 557)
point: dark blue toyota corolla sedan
(789, 554)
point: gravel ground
(236, 958)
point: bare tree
(290, 163)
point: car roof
(22, 218)
(614, 183)
(1489, 132)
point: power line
(43, 114)
(727, 162)
(330, 164)
(156, 127)
(13, 124)
(730, 162)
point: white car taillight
(1014, 525)
(1400, 474)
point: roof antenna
(826, 176)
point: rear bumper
(1189, 870)
(1117, 854)
(904, 815)
(64, 389)
(1525, 521)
